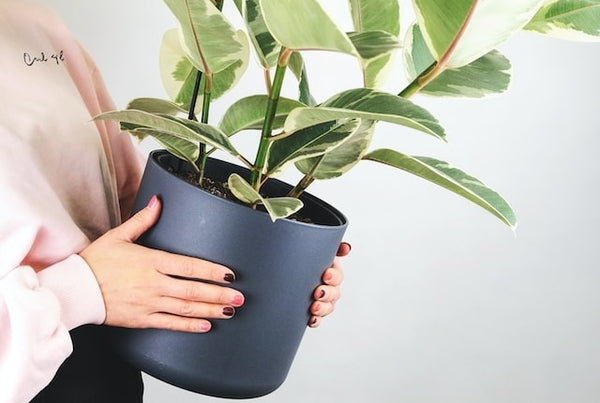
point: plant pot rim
(156, 155)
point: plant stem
(263, 147)
(306, 180)
(199, 165)
(418, 83)
(439, 66)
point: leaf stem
(438, 67)
(200, 162)
(263, 147)
(306, 180)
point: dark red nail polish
(313, 320)
(229, 277)
(321, 294)
(228, 311)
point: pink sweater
(63, 179)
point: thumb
(139, 223)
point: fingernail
(229, 277)
(205, 326)
(313, 320)
(238, 300)
(153, 201)
(228, 311)
(321, 294)
(342, 245)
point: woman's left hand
(327, 294)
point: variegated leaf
(249, 113)
(364, 103)
(373, 44)
(265, 45)
(376, 15)
(443, 174)
(277, 207)
(156, 105)
(184, 149)
(567, 19)
(298, 67)
(209, 41)
(490, 74)
(179, 75)
(302, 25)
(309, 142)
(341, 159)
(179, 127)
(488, 24)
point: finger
(178, 323)
(344, 249)
(190, 290)
(326, 293)
(189, 267)
(322, 308)
(133, 228)
(334, 275)
(192, 309)
(314, 321)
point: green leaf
(489, 23)
(417, 57)
(302, 25)
(179, 75)
(309, 142)
(243, 190)
(155, 105)
(376, 15)
(370, 15)
(369, 104)
(577, 20)
(376, 71)
(265, 45)
(175, 126)
(372, 44)
(209, 40)
(184, 149)
(441, 21)
(342, 158)
(277, 207)
(297, 66)
(282, 207)
(490, 74)
(249, 113)
(451, 178)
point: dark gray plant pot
(277, 267)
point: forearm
(36, 313)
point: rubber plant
(450, 50)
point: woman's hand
(143, 287)
(326, 295)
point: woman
(67, 263)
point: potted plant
(270, 231)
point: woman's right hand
(138, 286)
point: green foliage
(449, 51)
(568, 19)
(277, 207)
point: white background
(442, 303)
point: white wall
(441, 302)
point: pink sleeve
(37, 310)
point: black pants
(93, 373)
